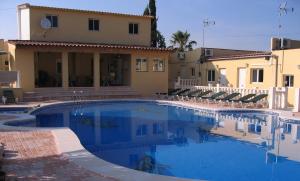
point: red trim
(24, 43)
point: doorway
(242, 78)
(223, 77)
(115, 69)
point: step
(45, 94)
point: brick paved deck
(32, 155)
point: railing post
(218, 87)
(284, 97)
(177, 83)
(297, 100)
(272, 98)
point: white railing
(277, 97)
(185, 83)
(297, 100)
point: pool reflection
(143, 137)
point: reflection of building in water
(279, 136)
(128, 140)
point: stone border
(69, 145)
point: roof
(27, 5)
(31, 43)
(242, 56)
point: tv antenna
(283, 10)
(206, 23)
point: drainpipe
(276, 71)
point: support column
(297, 100)
(65, 70)
(272, 98)
(96, 70)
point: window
(211, 76)
(287, 128)
(257, 75)
(133, 28)
(93, 25)
(193, 71)
(288, 80)
(158, 128)
(141, 130)
(158, 65)
(141, 65)
(53, 20)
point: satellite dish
(45, 23)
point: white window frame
(141, 130)
(93, 20)
(258, 70)
(289, 83)
(51, 21)
(133, 29)
(210, 72)
(139, 67)
(193, 71)
(156, 65)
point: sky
(240, 24)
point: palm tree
(181, 40)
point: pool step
(48, 94)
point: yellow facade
(67, 64)
(191, 68)
(73, 26)
(145, 83)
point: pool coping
(69, 144)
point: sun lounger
(180, 93)
(244, 98)
(192, 94)
(214, 96)
(228, 97)
(255, 99)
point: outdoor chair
(180, 93)
(213, 96)
(253, 101)
(191, 94)
(170, 91)
(241, 99)
(228, 97)
(201, 94)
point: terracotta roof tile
(242, 56)
(26, 43)
(27, 5)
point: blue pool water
(180, 142)
(13, 110)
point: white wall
(24, 24)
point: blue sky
(240, 24)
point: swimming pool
(13, 110)
(181, 142)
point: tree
(181, 40)
(146, 11)
(157, 39)
(161, 41)
(152, 10)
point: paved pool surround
(68, 144)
